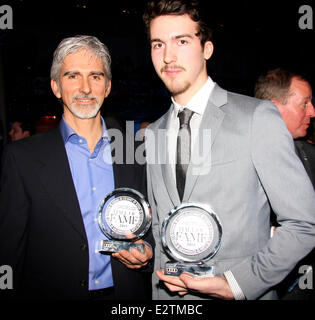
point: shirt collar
(199, 101)
(67, 131)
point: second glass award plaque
(191, 235)
(124, 216)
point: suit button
(83, 283)
(83, 247)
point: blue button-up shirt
(93, 178)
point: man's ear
(277, 103)
(208, 50)
(26, 134)
(281, 107)
(108, 89)
(55, 88)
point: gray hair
(75, 44)
(275, 85)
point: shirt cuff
(236, 290)
(272, 231)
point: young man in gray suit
(248, 165)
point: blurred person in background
(21, 128)
(292, 95)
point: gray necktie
(183, 150)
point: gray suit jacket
(248, 165)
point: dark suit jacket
(42, 235)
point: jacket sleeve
(14, 208)
(292, 198)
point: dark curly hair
(158, 8)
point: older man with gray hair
(53, 184)
(292, 95)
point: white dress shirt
(197, 104)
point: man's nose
(169, 54)
(85, 86)
(311, 110)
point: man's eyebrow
(156, 40)
(100, 73)
(185, 35)
(67, 73)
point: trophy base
(197, 269)
(110, 246)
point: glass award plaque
(124, 216)
(191, 235)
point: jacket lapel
(166, 162)
(123, 146)
(54, 171)
(209, 127)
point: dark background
(249, 38)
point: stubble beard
(84, 111)
(178, 88)
(174, 86)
